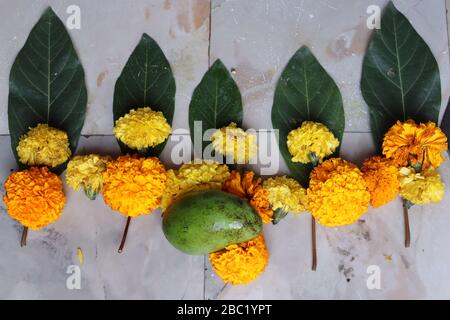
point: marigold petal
(408, 143)
(286, 194)
(381, 177)
(241, 263)
(142, 128)
(337, 193)
(421, 188)
(86, 172)
(248, 188)
(311, 138)
(44, 146)
(133, 185)
(34, 197)
(232, 141)
(195, 176)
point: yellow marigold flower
(44, 146)
(286, 194)
(421, 188)
(87, 172)
(312, 140)
(241, 263)
(195, 176)
(248, 188)
(34, 197)
(337, 193)
(408, 143)
(142, 128)
(235, 142)
(381, 177)
(133, 185)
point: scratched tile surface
(256, 38)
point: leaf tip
(145, 36)
(49, 11)
(304, 50)
(391, 7)
(218, 63)
(390, 4)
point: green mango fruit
(206, 221)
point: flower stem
(314, 251)
(314, 162)
(407, 231)
(124, 237)
(23, 240)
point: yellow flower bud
(311, 142)
(44, 146)
(421, 188)
(142, 128)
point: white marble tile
(149, 267)
(109, 32)
(257, 38)
(345, 253)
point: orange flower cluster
(133, 185)
(241, 263)
(248, 188)
(337, 193)
(34, 197)
(381, 177)
(408, 143)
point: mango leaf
(216, 101)
(47, 85)
(400, 76)
(445, 124)
(145, 81)
(305, 91)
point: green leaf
(216, 101)
(400, 76)
(145, 81)
(47, 84)
(305, 92)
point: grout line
(447, 2)
(204, 277)
(111, 135)
(209, 33)
(209, 65)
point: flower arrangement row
(211, 208)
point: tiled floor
(256, 38)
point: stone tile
(148, 268)
(345, 253)
(257, 38)
(109, 32)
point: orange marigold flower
(252, 190)
(381, 177)
(408, 143)
(241, 263)
(133, 185)
(34, 197)
(337, 193)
